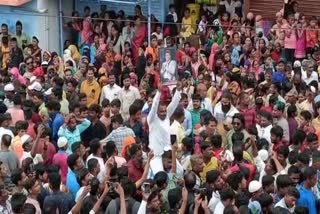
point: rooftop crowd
(95, 130)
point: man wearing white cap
(9, 91)
(60, 158)
(255, 189)
(35, 86)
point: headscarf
(60, 70)
(16, 75)
(67, 57)
(38, 72)
(214, 49)
(74, 53)
(134, 76)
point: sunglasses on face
(29, 63)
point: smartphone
(203, 193)
(112, 186)
(146, 187)
(173, 138)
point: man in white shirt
(159, 122)
(127, 95)
(227, 196)
(110, 91)
(224, 109)
(265, 125)
(308, 75)
(289, 200)
(96, 150)
(3, 124)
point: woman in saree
(86, 32)
(138, 38)
(76, 24)
(116, 39)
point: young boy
(75, 109)
(195, 112)
(83, 111)
(172, 11)
(21, 128)
(115, 107)
(276, 137)
(105, 118)
(83, 99)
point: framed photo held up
(168, 66)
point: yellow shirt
(178, 130)
(92, 90)
(5, 56)
(212, 165)
(187, 23)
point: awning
(14, 2)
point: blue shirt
(187, 123)
(307, 199)
(55, 124)
(59, 201)
(72, 183)
(75, 135)
(278, 77)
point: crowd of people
(95, 130)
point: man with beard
(110, 91)
(224, 110)
(72, 131)
(135, 164)
(96, 128)
(238, 123)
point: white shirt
(205, 104)
(306, 79)
(264, 132)
(157, 166)
(79, 193)
(214, 201)
(282, 204)
(110, 92)
(127, 97)
(159, 134)
(102, 172)
(221, 116)
(219, 208)
(175, 16)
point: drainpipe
(149, 22)
(61, 27)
